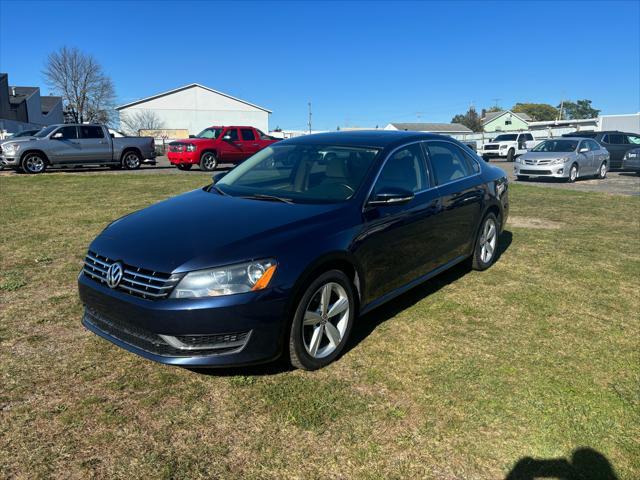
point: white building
(441, 128)
(195, 107)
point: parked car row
(75, 144)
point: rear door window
(88, 131)
(247, 134)
(449, 162)
(616, 139)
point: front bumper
(494, 153)
(252, 324)
(554, 171)
(176, 158)
(8, 161)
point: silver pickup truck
(70, 145)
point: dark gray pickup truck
(69, 145)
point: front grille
(137, 281)
(537, 162)
(491, 147)
(177, 147)
(535, 172)
(150, 342)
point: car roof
(365, 138)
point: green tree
(538, 111)
(578, 109)
(471, 120)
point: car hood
(17, 140)
(199, 229)
(546, 155)
(195, 141)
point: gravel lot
(619, 183)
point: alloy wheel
(603, 171)
(325, 320)
(209, 161)
(488, 240)
(131, 161)
(34, 163)
(573, 173)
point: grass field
(464, 377)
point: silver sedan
(567, 157)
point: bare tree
(87, 92)
(132, 123)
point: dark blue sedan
(286, 250)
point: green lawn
(460, 378)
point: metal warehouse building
(195, 107)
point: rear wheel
(131, 160)
(184, 166)
(487, 243)
(602, 171)
(33, 163)
(208, 161)
(573, 173)
(322, 322)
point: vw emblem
(114, 274)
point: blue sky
(359, 63)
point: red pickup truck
(216, 145)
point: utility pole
(309, 117)
(495, 102)
(560, 111)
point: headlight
(519, 160)
(214, 282)
(10, 148)
(191, 147)
(502, 147)
(558, 161)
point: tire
(522, 177)
(33, 163)
(484, 253)
(310, 346)
(131, 160)
(208, 161)
(573, 173)
(184, 166)
(602, 171)
(511, 155)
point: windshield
(45, 131)
(556, 146)
(301, 173)
(209, 133)
(26, 133)
(505, 138)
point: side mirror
(390, 196)
(56, 136)
(216, 177)
(227, 138)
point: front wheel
(184, 166)
(486, 248)
(208, 162)
(510, 155)
(573, 173)
(131, 161)
(33, 163)
(602, 171)
(322, 321)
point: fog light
(560, 171)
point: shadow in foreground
(585, 464)
(368, 323)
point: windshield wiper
(217, 189)
(273, 198)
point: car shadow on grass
(585, 464)
(368, 323)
